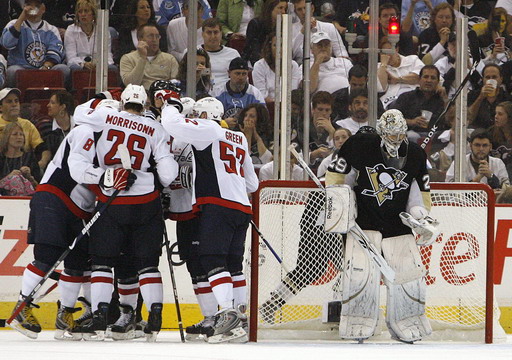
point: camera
(34, 11)
(87, 58)
(206, 71)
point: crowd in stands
(236, 63)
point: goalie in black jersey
(389, 177)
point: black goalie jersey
(382, 191)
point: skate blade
(139, 334)
(230, 335)
(66, 335)
(241, 340)
(129, 335)
(194, 337)
(98, 335)
(152, 336)
(19, 328)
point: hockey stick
(173, 280)
(125, 159)
(361, 237)
(269, 247)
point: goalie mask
(392, 129)
(135, 94)
(209, 108)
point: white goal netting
(290, 217)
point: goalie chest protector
(382, 191)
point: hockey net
(460, 303)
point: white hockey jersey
(149, 148)
(223, 169)
(58, 178)
(181, 198)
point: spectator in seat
(340, 136)
(177, 32)
(32, 43)
(477, 11)
(237, 93)
(148, 63)
(235, 16)
(220, 56)
(321, 133)
(81, 40)
(60, 111)
(396, 74)
(253, 121)
(138, 13)
(296, 172)
(358, 111)
(416, 15)
(327, 73)
(429, 96)
(497, 25)
(386, 12)
(432, 41)
(19, 171)
(263, 74)
(480, 166)
(357, 79)
(482, 102)
(10, 108)
(62, 14)
(168, 10)
(337, 47)
(203, 74)
(501, 134)
(260, 27)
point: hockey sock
(128, 290)
(70, 282)
(222, 287)
(205, 298)
(31, 276)
(150, 282)
(102, 285)
(239, 289)
(86, 286)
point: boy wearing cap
(327, 73)
(10, 107)
(32, 43)
(237, 93)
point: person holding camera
(204, 83)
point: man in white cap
(327, 73)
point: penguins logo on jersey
(385, 181)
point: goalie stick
(360, 236)
(126, 162)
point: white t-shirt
(333, 74)
(267, 172)
(351, 124)
(220, 60)
(177, 37)
(247, 15)
(409, 64)
(264, 78)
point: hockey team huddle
(110, 173)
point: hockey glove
(119, 179)
(427, 228)
(170, 97)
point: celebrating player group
(98, 209)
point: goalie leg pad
(405, 308)
(340, 209)
(361, 282)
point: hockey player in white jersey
(389, 176)
(56, 212)
(132, 225)
(223, 173)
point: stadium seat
(38, 84)
(83, 83)
(237, 44)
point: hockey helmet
(113, 104)
(188, 106)
(209, 108)
(135, 94)
(163, 85)
(392, 128)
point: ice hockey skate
(198, 331)
(154, 322)
(64, 324)
(25, 322)
(86, 316)
(124, 327)
(95, 330)
(242, 308)
(228, 326)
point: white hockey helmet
(135, 94)
(188, 106)
(392, 128)
(209, 108)
(113, 104)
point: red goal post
(460, 301)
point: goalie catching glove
(426, 227)
(119, 179)
(170, 97)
